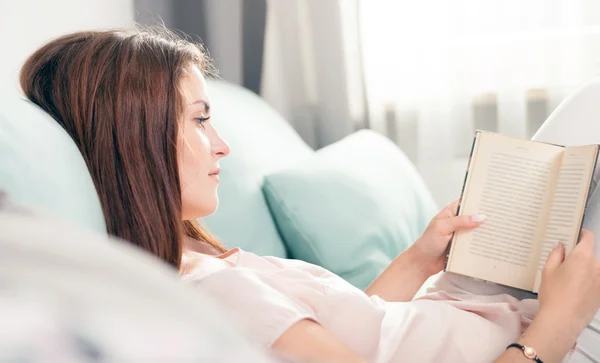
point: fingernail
(478, 218)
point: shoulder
(194, 264)
(192, 244)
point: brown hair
(117, 94)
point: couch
(350, 207)
(41, 168)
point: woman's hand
(569, 298)
(570, 289)
(401, 280)
(431, 247)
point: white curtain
(436, 70)
(312, 72)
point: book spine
(587, 194)
(462, 192)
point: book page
(570, 195)
(510, 181)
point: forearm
(551, 340)
(401, 280)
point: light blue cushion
(41, 167)
(352, 207)
(261, 142)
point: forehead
(193, 85)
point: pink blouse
(267, 295)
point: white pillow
(68, 296)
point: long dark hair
(117, 93)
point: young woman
(137, 106)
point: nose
(220, 147)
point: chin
(210, 209)
(200, 211)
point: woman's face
(200, 147)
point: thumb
(452, 224)
(555, 258)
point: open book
(533, 195)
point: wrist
(528, 352)
(423, 264)
(560, 319)
(550, 336)
(401, 280)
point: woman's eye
(201, 121)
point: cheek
(197, 187)
(195, 157)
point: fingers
(555, 258)
(450, 225)
(453, 207)
(449, 210)
(586, 242)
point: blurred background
(424, 73)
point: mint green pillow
(41, 167)
(351, 207)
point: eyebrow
(206, 105)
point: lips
(215, 172)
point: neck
(191, 244)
